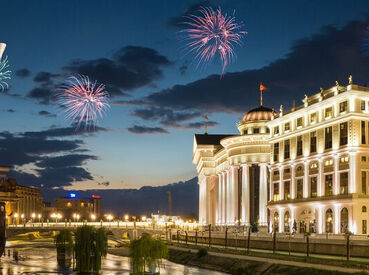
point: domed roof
(260, 113)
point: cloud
(193, 9)
(105, 183)
(129, 68)
(63, 132)
(46, 114)
(44, 77)
(43, 94)
(183, 68)
(22, 73)
(136, 129)
(317, 61)
(10, 111)
(55, 162)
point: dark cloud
(65, 161)
(10, 111)
(183, 69)
(43, 94)
(199, 125)
(129, 68)
(22, 72)
(105, 183)
(193, 9)
(57, 162)
(136, 129)
(332, 54)
(44, 77)
(46, 113)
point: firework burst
(83, 101)
(4, 73)
(211, 33)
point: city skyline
(158, 97)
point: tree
(64, 247)
(91, 245)
(307, 235)
(348, 234)
(147, 252)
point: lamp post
(16, 217)
(93, 217)
(33, 216)
(110, 218)
(22, 217)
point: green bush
(202, 252)
(242, 271)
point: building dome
(260, 113)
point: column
(224, 186)
(293, 182)
(320, 179)
(352, 184)
(320, 219)
(245, 194)
(235, 216)
(263, 195)
(219, 205)
(229, 197)
(306, 180)
(292, 216)
(281, 186)
(201, 202)
(335, 175)
(280, 222)
(271, 187)
(336, 219)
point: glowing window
(328, 162)
(314, 165)
(299, 122)
(344, 159)
(287, 126)
(313, 118)
(328, 112)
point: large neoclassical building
(306, 169)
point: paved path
(277, 261)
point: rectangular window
(363, 226)
(363, 182)
(344, 159)
(363, 158)
(276, 152)
(344, 183)
(313, 187)
(328, 112)
(313, 118)
(300, 186)
(299, 122)
(276, 130)
(276, 191)
(343, 134)
(343, 106)
(299, 145)
(329, 185)
(328, 137)
(287, 126)
(362, 105)
(363, 132)
(313, 142)
(287, 194)
(256, 130)
(287, 149)
(267, 130)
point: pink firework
(210, 33)
(83, 101)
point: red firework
(83, 101)
(212, 32)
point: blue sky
(45, 36)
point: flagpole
(261, 97)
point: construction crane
(170, 204)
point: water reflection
(37, 259)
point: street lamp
(16, 217)
(110, 218)
(39, 217)
(143, 218)
(22, 217)
(93, 217)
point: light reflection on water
(40, 260)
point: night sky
(158, 96)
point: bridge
(115, 229)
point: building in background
(306, 169)
(21, 202)
(75, 208)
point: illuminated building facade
(75, 208)
(306, 169)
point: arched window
(276, 221)
(363, 209)
(329, 221)
(344, 220)
(287, 221)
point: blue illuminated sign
(72, 195)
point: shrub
(202, 252)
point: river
(40, 258)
